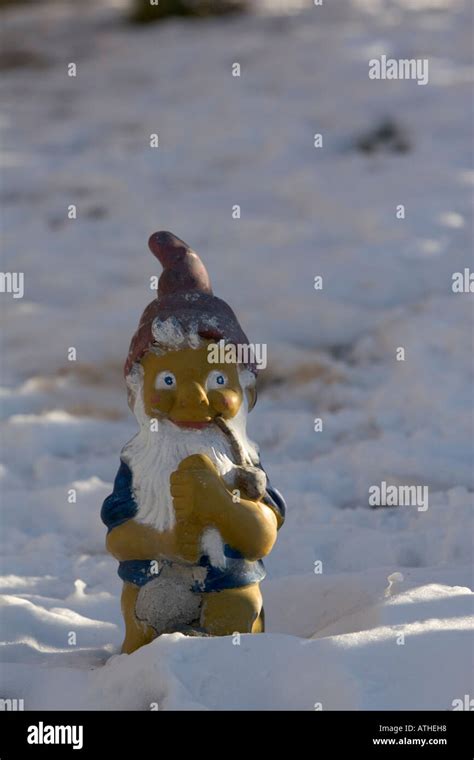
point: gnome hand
(197, 489)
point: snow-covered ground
(334, 639)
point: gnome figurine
(192, 512)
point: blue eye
(166, 380)
(216, 379)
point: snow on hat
(185, 308)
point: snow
(333, 637)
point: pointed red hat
(184, 301)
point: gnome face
(170, 346)
(183, 387)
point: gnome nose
(192, 394)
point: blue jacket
(121, 506)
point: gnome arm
(248, 526)
(128, 539)
(134, 540)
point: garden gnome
(192, 512)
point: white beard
(153, 455)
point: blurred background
(305, 211)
